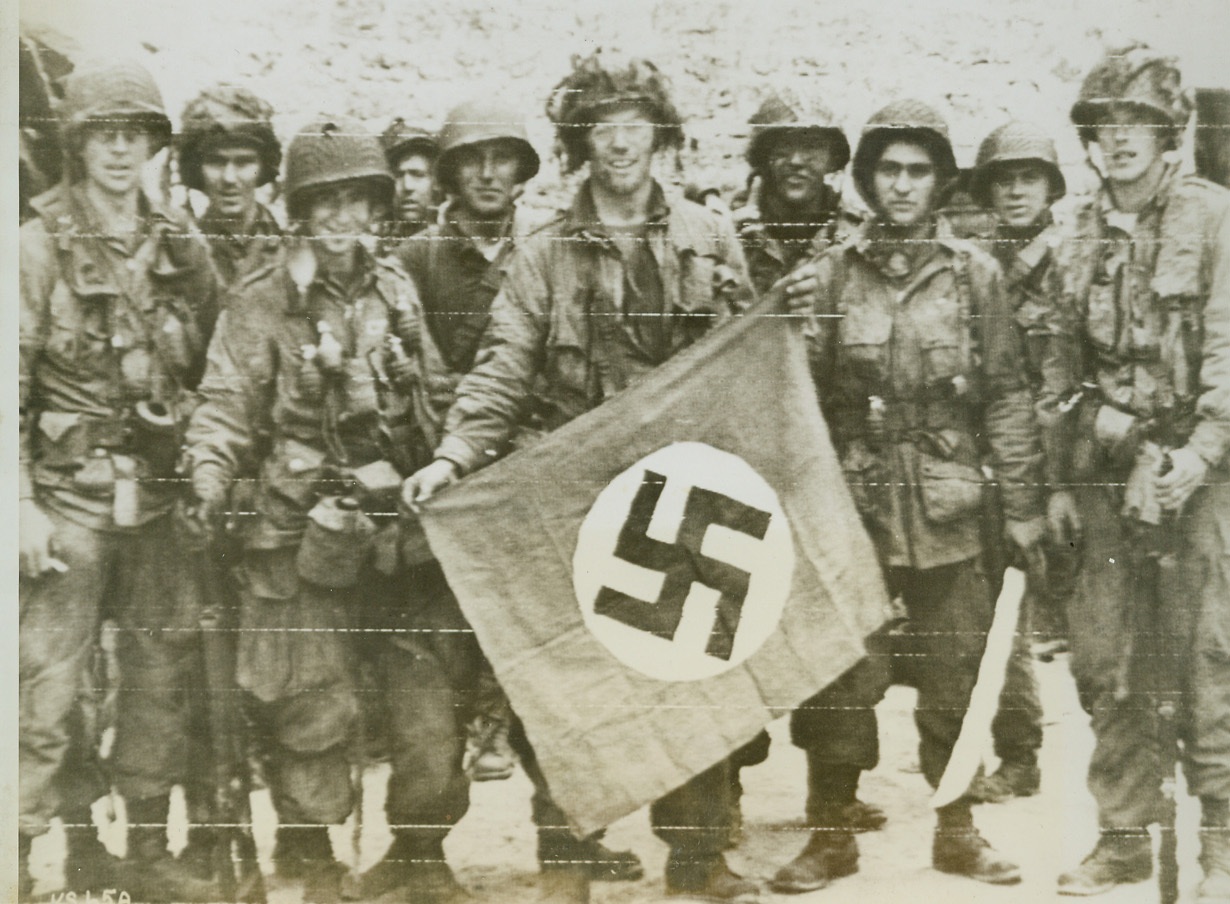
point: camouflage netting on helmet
(903, 120)
(226, 114)
(783, 112)
(1015, 142)
(110, 94)
(476, 121)
(1134, 76)
(331, 150)
(600, 83)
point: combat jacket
(1033, 283)
(565, 331)
(268, 405)
(236, 256)
(457, 282)
(769, 258)
(919, 368)
(1146, 301)
(109, 326)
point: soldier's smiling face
(621, 146)
(230, 173)
(486, 178)
(798, 162)
(114, 154)
(1131, 141)
(905, 180)
(1020, 192)
(339, 214)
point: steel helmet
(1138, 76)
(330, 150)
(783, 112)
(474, 122)
(1015, 142)
(597, 84)
(100, 92)
(902, 120)
(401, 138)
(226, 114)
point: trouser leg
(1017, 727)
(1125, 768)
(59, 619)
(950, 611)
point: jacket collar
(581, 219)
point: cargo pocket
(864, 334)
(868, 487)
(950, 490)
(62, 441)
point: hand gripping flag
(661, 577)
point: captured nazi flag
(660, 578)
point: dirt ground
(492, 849)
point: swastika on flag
(684, 563)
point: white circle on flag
(684, 563)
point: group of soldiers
(291, 396)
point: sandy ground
(492, 849)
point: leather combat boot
(829, 854)
(1011, 779)
(309, 850)
(417, 864)
(957, 848)
(558, 849)
(150, 874)
(88, 865)
(1214, 851)
(710, 879)
(1118, 858)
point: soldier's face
(1020, 193)
(414, 188)
(621, 145)
(798, 163)
(338, 215)
(230, 174)
(905, 180)
(1131, 142)
(486, 177)
(113, 157)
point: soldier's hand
(1027, 536)
(1186, 475)
(203, 513)
(426, 482)
(36, 537)
(1063, 521)
(802, 288)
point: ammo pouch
(66, 440)
(336, 545)
(950, 489)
